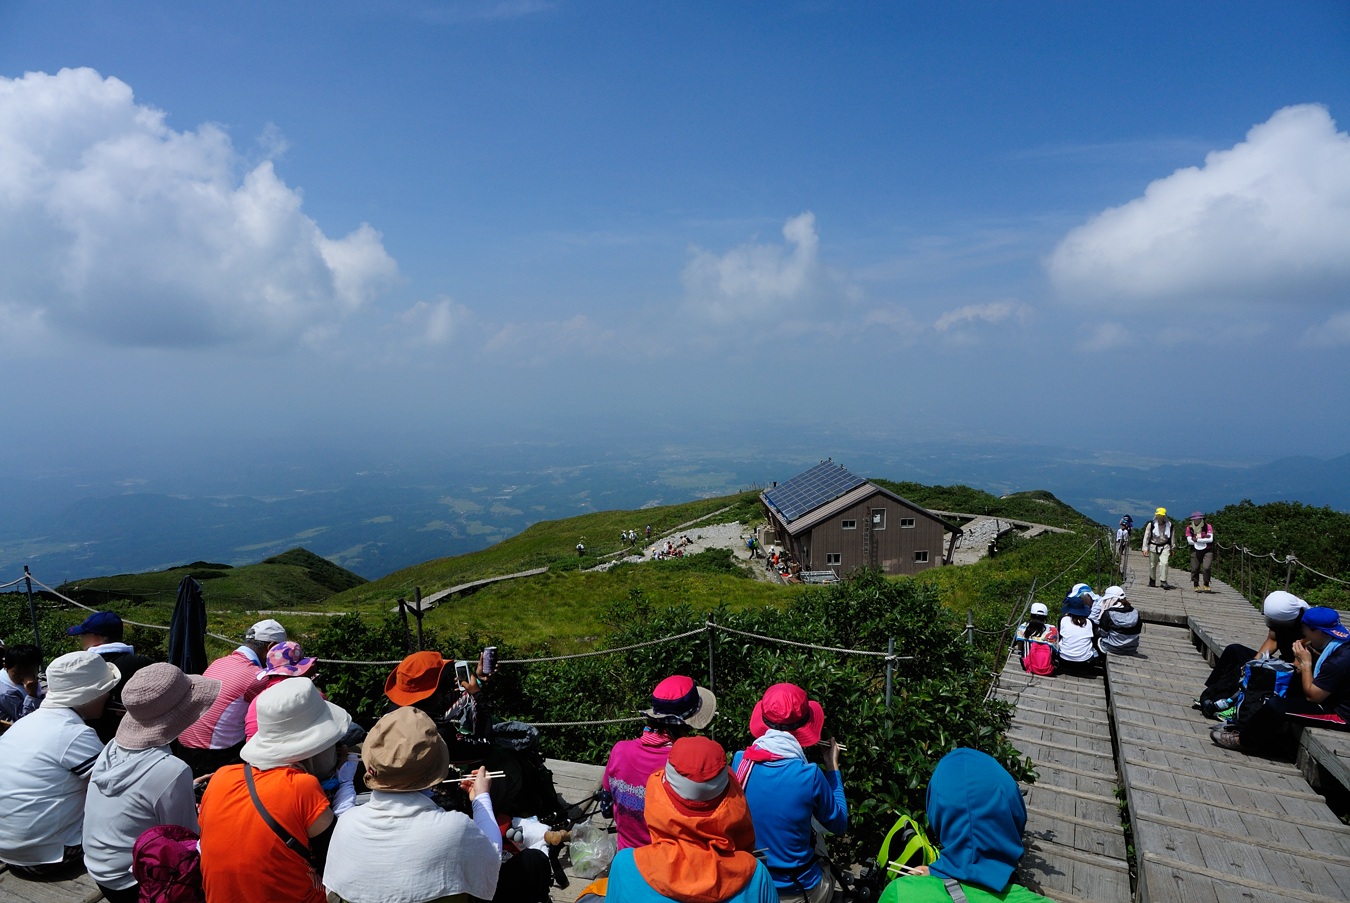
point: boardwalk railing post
(1288, 571)
(32, 609)
(890, 669)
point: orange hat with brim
(415, 678)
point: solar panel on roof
(808, 491)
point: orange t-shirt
(243, 860)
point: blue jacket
(783, 797)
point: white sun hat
(76, 678)
(294, 723)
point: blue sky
(225, 227)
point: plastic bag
(591, 850)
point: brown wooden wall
(894, 547)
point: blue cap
(1327, 620)
(100, 623)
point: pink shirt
(223, 724)
(630, 763)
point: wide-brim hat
(294, 723)
(678, 698)
(1075, 606)
(286, 660)
(162, 702)
(404, 753)
(415, 678)
(786, 707)
(77, 678)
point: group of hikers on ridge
(1089, 626)
(1158, 542)
(245, 784)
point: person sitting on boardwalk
(424, 853)
(703, 841)
(136, 782)
(1200, 537)
(786, 792)
(1032, 631)
(216, 738)
(678, 706)
(103, 632)
(20, 689)
(1284, 623)
(1320, 695)
(1158, 544)
(976, 811)
(1118, 624)
(47, 757)
(1077, 639)
(244, 858)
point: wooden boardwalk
(79, 889)
(1074, 837)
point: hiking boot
(1166, 586)
(1207, 589)
(1226, 738)
(1153, 583)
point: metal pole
(32, 609)
(970, 626)
(1288, 571)
(417, 611)
(890, 669)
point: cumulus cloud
(118, 227)
(757, 280)
(994, 312)
(1265, 221)
(435, 323)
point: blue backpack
(1262, 679)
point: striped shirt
(223, 724)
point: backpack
(906, 845)
(1262, 679)
(1039, 658)
(168, 865)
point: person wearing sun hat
(678, 706)
(785, 791)
(137, 782)
(47, 758)
(1319, 695)
(1158, 543)
(703, 841)
(975, 810)
(1077, 651)
(283, 660)
(243, 859)
(215, 738)
(1200, 537)
(425, 853)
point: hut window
(906, 522)
(837, 558)
(878, 518)
(921, 556)
(849, 525)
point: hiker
(1077, 639)
(102, 632)
(137, 783)
(244, 856)
(1200, 537)
(1123, 544)
(678, 706)
(47, 757)
(1035, 632)
(283, 660)
(1118, 624)
(976, 811)
(1158, 547)
(424, 852)
(703, 842)
(1319, 695)
(20, 689)
(785, 791)
(581, 549)
(215, 740)
(1083, 593)
(1284, 622)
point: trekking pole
(32, 609)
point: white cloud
(1265, 221)
(435, 323)
(757, 280)
(994, 312)
(118, 227)
(1107, 337)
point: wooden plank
(1330, 749)
(78, 889)
(1063, 873)
(1243, 828)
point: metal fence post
(970, 626)
(890, 669)
(1288, 571)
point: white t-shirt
(47, 758)
(1075, 643)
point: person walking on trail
(1123, 544)
(1158, 545)
(1200, 537)
(649, 533)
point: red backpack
(1039, 659)
(168, 865)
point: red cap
(696, 775)
(415, 678)
(786, 707)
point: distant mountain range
(374, 521)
